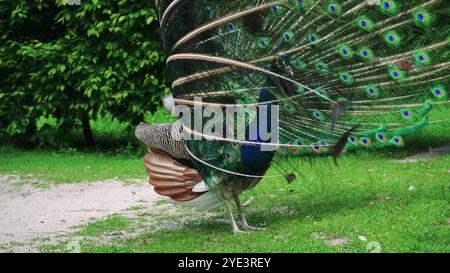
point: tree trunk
(87, 131)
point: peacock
(329, 76)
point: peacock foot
(247, 227)
(237, 231)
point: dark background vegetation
(65, 69)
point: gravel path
(28, 213)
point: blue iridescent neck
(254, 160)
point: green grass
(70, 166)
(109, 224)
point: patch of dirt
(33, 217)
(28, 213)
(337, 242)
(330, 241)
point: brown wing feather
(186, 197)
(170, 178)
(160, 183)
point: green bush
(62, 65)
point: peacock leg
(244, 223)
(235, 227)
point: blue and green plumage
(373, 68)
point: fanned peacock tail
(347, 75)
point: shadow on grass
(291, 209)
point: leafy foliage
(62, 65)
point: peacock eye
(346, 77)
(345, 51)
(208, 12)
(407, 114)
(389, 6)
(398, 141)
(287, 36)
(279, 10)
(422, 57)
(422, 17)
(366, 141)
(365, 23)
(397, 74)
(372, 91)
(263, 42)
(366, 53)
(335, 9)
(392, 38)
(321, 67)
(439, 91)
(381, 137)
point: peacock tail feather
(346, 75)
